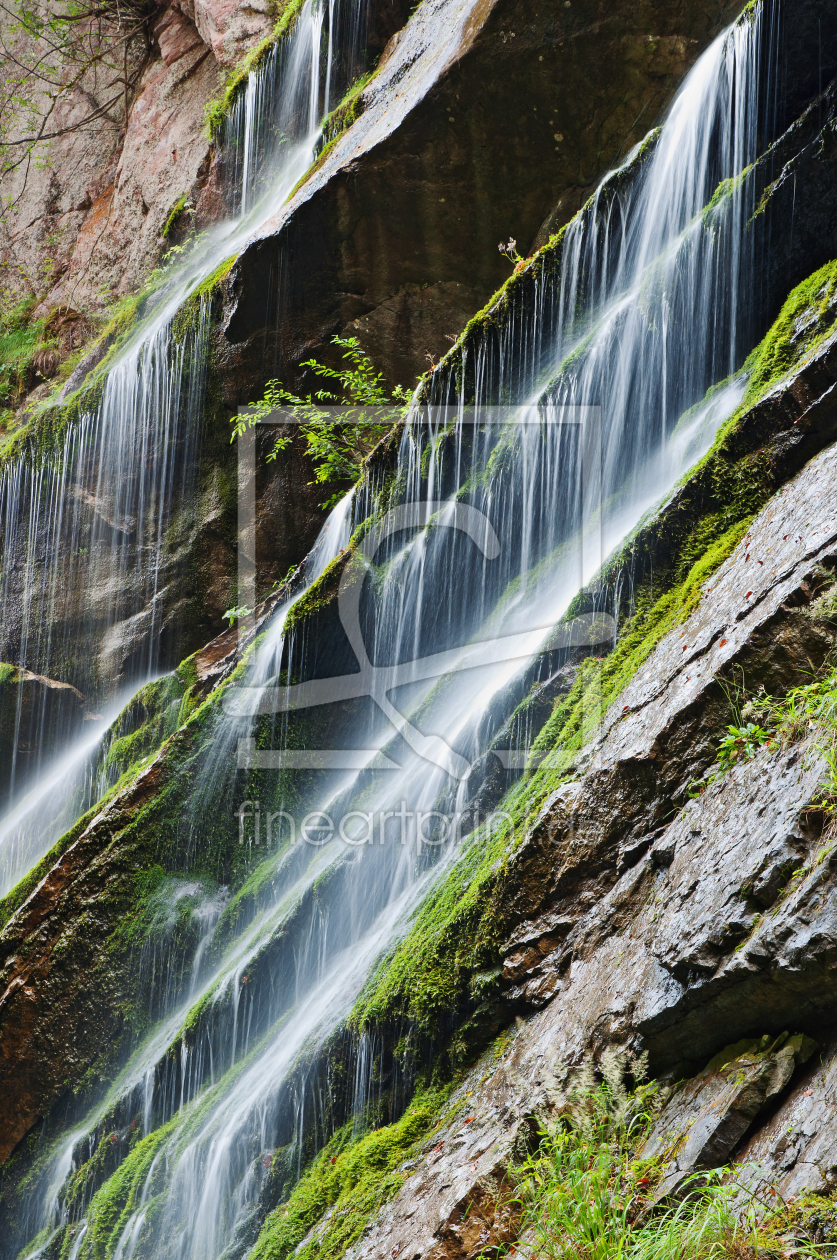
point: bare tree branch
(55, 54)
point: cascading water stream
(87, 547)
(89, 532)
(486, 551)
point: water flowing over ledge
(95, 531)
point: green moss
(322, 593)
(338, 121)
(213, 280)
(15, 898)
(123, 317)
(217, 110)
(349, 109)
(318, 162)
(173, 215)
(156, 711)
(150, 718)
(455, 934)
(198, 1013)
(20, 339)
(725, 189)
(807, 318)
(161, 910)
(575, 719)
(46, 427)
(119, 1196)
(347, 1185)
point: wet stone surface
(717, 927)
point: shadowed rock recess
(228, 1032)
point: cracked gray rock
(676, 936)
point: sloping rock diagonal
(722, 927)
(393, 236)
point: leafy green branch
(337, 444)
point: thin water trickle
(89, 544)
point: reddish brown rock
(96, 200)
(230, 28)
(176, 36)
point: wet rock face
(394, 237)
(797, 1144)
(480, 119)
(673, 925)
(703, 1123)
(37, 716)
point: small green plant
(807, 710)
(337, 445)
(744, 737)
(232, 615)
(280, 582)
(509, 248)
(770, 721)
(741, 743)
(586, 1193)
(511, 252)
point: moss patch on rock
(217, 110)
(806, 320)
(456, 934)
(347, 1185)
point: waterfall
(91, 528)
(89, 548)
(515, 479)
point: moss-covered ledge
(43, 427)
(446, 971)
(68, 950)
